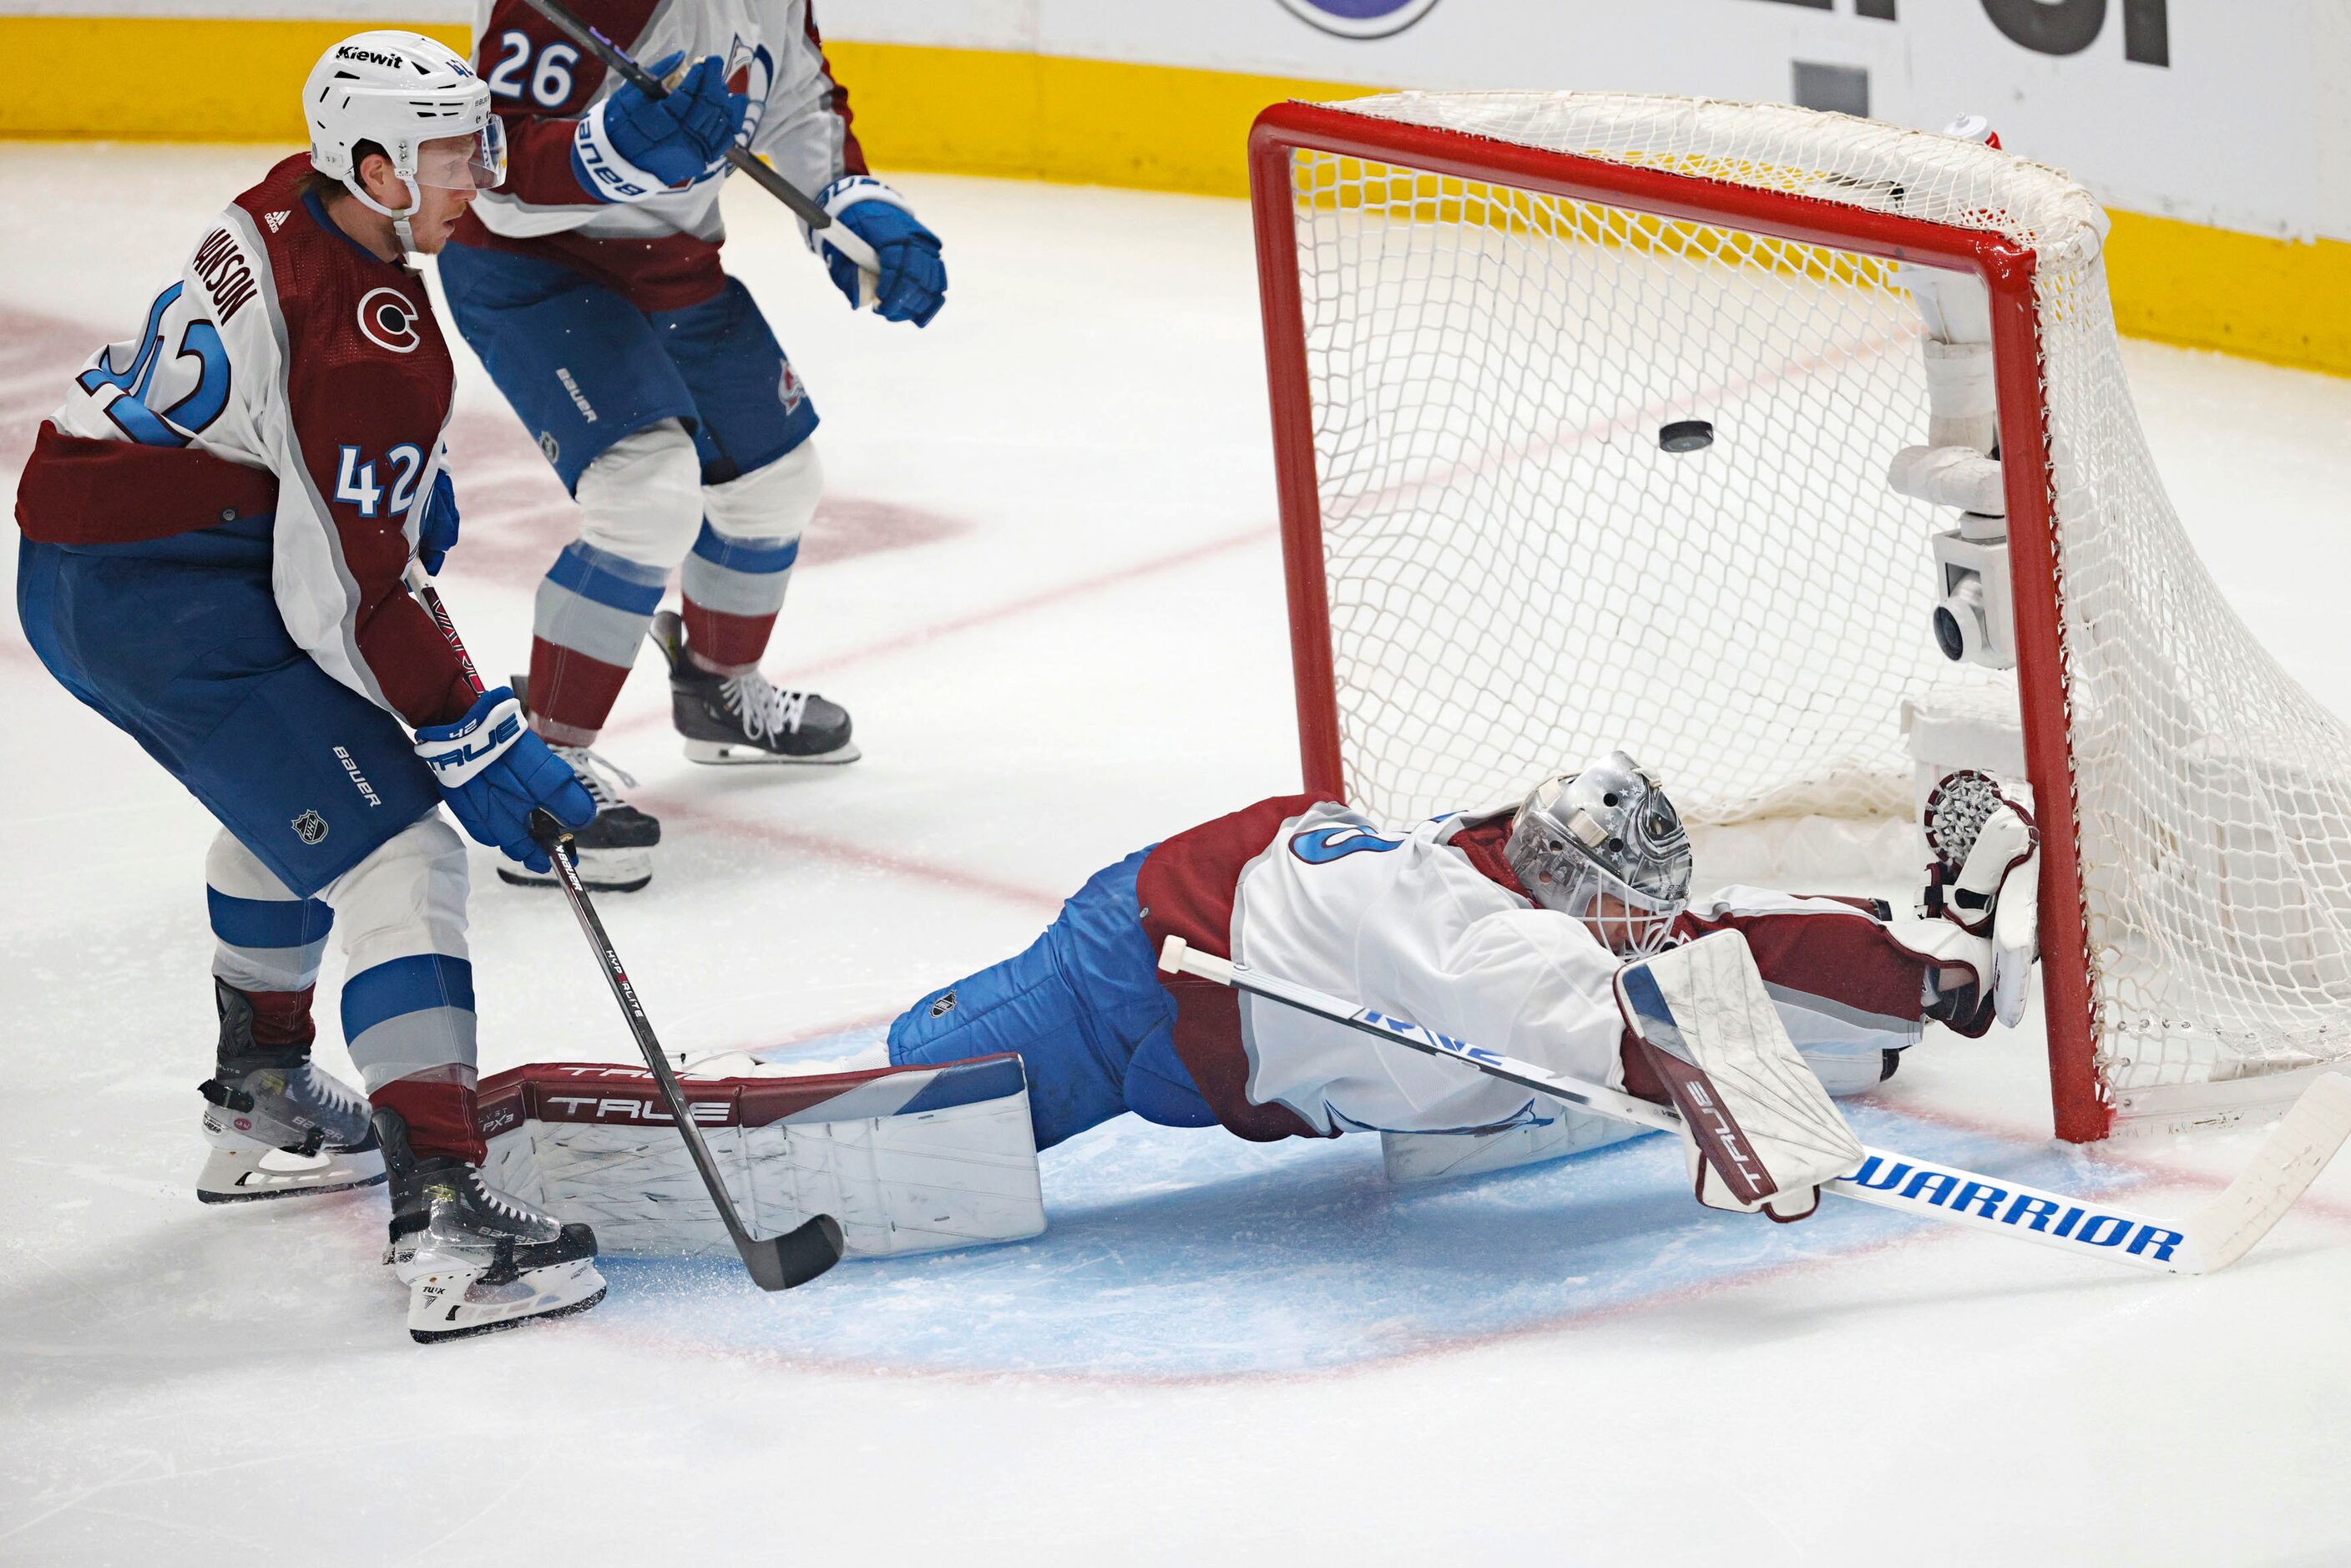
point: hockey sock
(283, 1019)
(590, 616)
(439, 1111)
(734, 589)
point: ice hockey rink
(1047, 583)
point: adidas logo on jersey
(278, 219)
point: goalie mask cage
(1479, 311)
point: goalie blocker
(906, 1160)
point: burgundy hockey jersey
(288, 370)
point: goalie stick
(774, 1262)
(2213, 1237)
(804, 207)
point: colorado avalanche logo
(1360, 18)
(389, 322)
(788, 390)
(749, 71)
(310, 827)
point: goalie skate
(278, 1127)
(473, 1258)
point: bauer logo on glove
(456, 752)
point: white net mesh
(1520, 577)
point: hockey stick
(848, 242)
(776, 1262)
(2215, 1236)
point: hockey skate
(473, 1258)
(278, 1127)
(730, 720)
(615, 851)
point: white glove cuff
(848, 192)
(457, 759)
(613, 177)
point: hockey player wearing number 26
(591, 288)
(219, 522)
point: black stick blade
(778, 1264)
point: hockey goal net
(1482, 309)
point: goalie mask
(1606, 846)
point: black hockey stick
(803, 206)
(776, 1262)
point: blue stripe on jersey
(267, 922)
(758, 557)
(401, 986)
(603, 578)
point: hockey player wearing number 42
(217, 524)
(590, 287)
(1457, 923)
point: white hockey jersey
(1400, 922)
(287, 375)
(542, 84)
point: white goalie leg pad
(908, 1159)
(1412, 1157)
(1759, 1129)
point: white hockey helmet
(1607, 830)
(402, 90)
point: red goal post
(2007, 271)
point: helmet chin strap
(398, 219)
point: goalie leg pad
(1759, 1129)
(909, 1159)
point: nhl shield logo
(944, 1005)
(310, 827)
(547, 443)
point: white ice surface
(1047, 584)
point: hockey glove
(1986, 878)
(631, 146)
(436, 536)
(492, 771)
(913, 284)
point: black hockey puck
(1686, 436)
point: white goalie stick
(2216, 1236)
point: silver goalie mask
(1605, 833)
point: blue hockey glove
(492, 771)
(913, 280)
(436, 536)
(630, 146)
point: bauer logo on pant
(310, 828)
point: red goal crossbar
(2082, 1111)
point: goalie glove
(1758, 1130)
(1985, 879)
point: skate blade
(726, 754)
(456, 1305)
(601, 870)
(243, 1175)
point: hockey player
(218, 522)
(591, 288)
(1505, 927)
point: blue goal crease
(1174, 1253)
